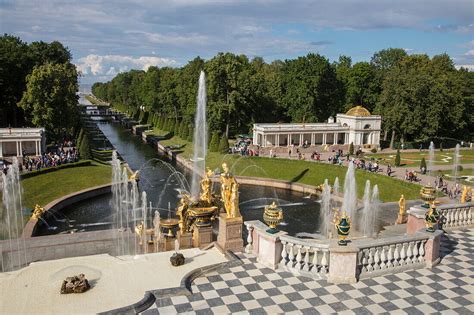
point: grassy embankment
(305, 172)
(44, 188)
(413, 159)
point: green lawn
(306, 172)
(44, 188)
(413, 159)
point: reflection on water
(301, 214)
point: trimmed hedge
(56, 168)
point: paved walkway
(254, 289)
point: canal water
(300, 212)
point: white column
(301, 139)
(17, 148)
(324, 138)
(289, 140)
(277, 137)
(264, 141)
(312, 138)
(1, 149)
(36, 148)
(335, 138)
(21, 149)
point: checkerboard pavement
(252, 288)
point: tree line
(418, 97)
(38, 86)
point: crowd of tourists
(65, 153)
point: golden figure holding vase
(229, 192)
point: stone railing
(454, 215)
(394, 254)
(325, 259)
(305, 257)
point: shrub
(85, 151)
(190, 134)
(224, 144)
(79, 138)
(398, 158)
(374, 150)
(176, 128)
(184, 131)
(423, 163)
(351, 148)
(55, 168)
(459, 168)
(214, 144)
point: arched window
(344, 125)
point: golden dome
(358, 111)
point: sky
(108, 37)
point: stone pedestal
(342, 264)
(416, 219)
(432, 249)
(269, 248)
(185, 240)
(202, 236)
(230, 233)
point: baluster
(456, 217)
(383, 259)
(396, 256)
(364, 260)
(409, 253)
(249, 247)
(451, 214)
(299, 258)
(291, 256)
(370, 261)
(324, 262)
(403, 254)
(306, 259)
(421, 258)
(315, 261)
(284, 253)
(469, 216)
(464, 216)
(376, 259)
(415, 252)
(390, 256)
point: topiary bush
(85, 150)
(423, 163)
(214, 144)
(351, 148)
(224, 144)
(398, 158)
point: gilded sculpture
(206, 187)
(37, 212)
(229, 193)
(464, 193)
(402, 213)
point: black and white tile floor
(254, 289)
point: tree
(184, 131)
(351, 148)
(79, 138)
(190, 134)
(362, 86)
(423, 164)
(84, 149)
(214, 144)
(50, 98)
(224, 144)
(398, 158)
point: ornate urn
(428, 195)
(432, 218)
(169, 224)
(343, 226)
(272, 216)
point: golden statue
(37, 212)
(235, 211)
(206, 187)
(227, 182)
(464, 193)
(402, 213)
(182, 211)
(135, 176)
(139, 231)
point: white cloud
(110, 65)
(469, 53)
(468, 67)
(173, 39)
